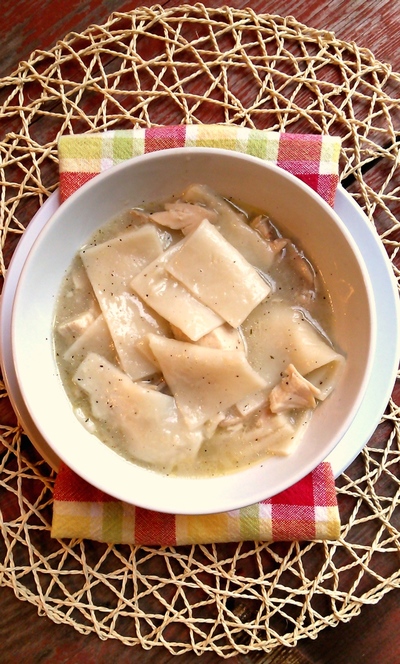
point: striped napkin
(306, 511)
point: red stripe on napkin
(71, 487)
(154, 527)
(163, 138)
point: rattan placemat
(191, 65)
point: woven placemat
(151, 67)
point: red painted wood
(38, 24)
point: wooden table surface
(26, 637)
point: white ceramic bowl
(156, 176)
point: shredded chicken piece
(302, 266)
(211, 425)
(305, 292)
(183, 216)
(74, 327)
(262, 225)
(278, 244)
(293, 392)
(233, 418)
(244, 410)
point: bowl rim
(227, 500)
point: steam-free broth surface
(193, 337)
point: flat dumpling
(217, 274)
(142, 423)
(111, 267)
(275, 434)
(233, 226)
(96, 338)
(204, 381)
(172, 300)
(278, 335)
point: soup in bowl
(200, 331)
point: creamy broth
(214, 338)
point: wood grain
(27, 26)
